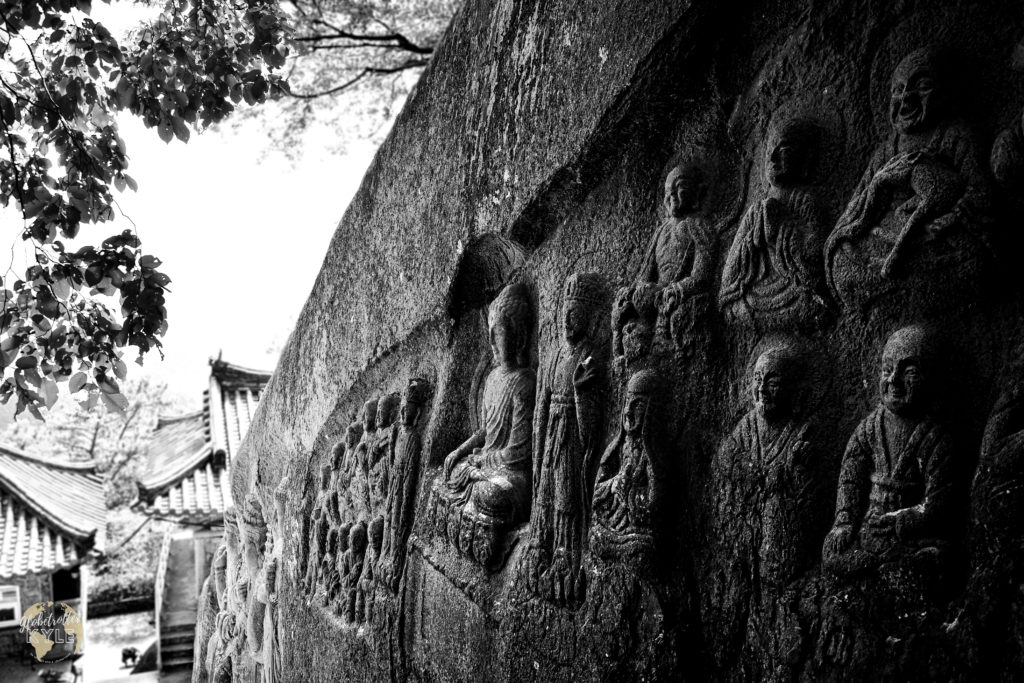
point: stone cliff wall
(663, 341)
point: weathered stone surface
(772, 191)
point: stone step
(170, 649)
(175, 637)
(177, 663)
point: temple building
(187, 481)
(52, 521)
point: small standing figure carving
(254, 541)
(381, 452)
(401, 498)
(633, 475)
(359, 488)
(774, 276)
(896, 485)
(484, 487)
(923, 194)
(568, 431)
(316, 536)
(677, 267)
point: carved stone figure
(381, 453)
(365, 582)
(206, 639)
(254, 541)
(485, 483)
(765, 533)
(679, 259)
(921, 204)
(896, 486)
(352, 568)
(272, 670)
(774, 276)
(634, 322)
(568, 431)
(316, 532)
(359, 487)
(336, 595)
(631, 480)
(225, 649)
(347, 470)
(401, 499)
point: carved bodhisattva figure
(343, 482)
(896, 486)
(920, 208)
(224, 646)
(485, 488)
(678, 263)
(400, 504)
(633, 476)
(570, 406)
(774, 277)
(254, 540)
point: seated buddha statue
(485, 484)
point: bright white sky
(241, 230)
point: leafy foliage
(63, 77)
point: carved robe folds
(912, 476)
(489, 490)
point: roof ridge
(84, 466)
(164, 420)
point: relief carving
(921, 205)
(567, 423)
(631, 479)
(767, 487)
(210, 603)
(774, 277)
(404, 481)
(381, 453)
(484, 488)
(677, 268)
(896, 486)
(254, 540)
(316, 537)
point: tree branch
(400, 41)
(369, 71)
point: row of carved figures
(922, 213)
(362, 516)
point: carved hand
(585, 374)
(451, 461)
(667, 300)
(838, 540)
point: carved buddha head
(903, 381)
(793, 153)
(508, 327)
(325, 476)
(352, 435)
(343, 538)
(685, 189)
(387, 409)
(639, 393)
(582, 299)
(775, 383)
(337, 454)
(376, 533)
(417, 393)
(369, 416)
(915, 92)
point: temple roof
(187, 476)
(51, 514)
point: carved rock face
(912, 102)
(637, 337)
(901, 381)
